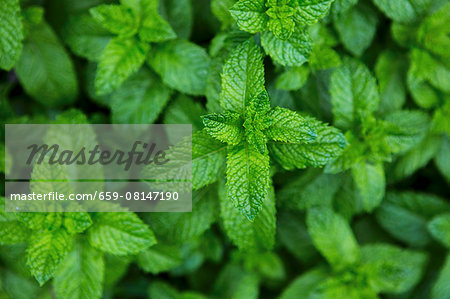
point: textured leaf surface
(80, 275)
(291, 52)
(393, 269)
(250, 15)
(120, 59)
(439, 228)
(11, 230)
(46, 251)
(140, 99)
(11, 35)
(328, 145)
(246, 235)
(354, 93)
(242, 77)
(311, 11)
(154, 28)
(181, 59)
(120, 233)
(402, 11)
(247, 178)
(159, 258)
(225, 127)
(293, 78)
(45, 69)
(117, 19)
(333, 237)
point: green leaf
(247, 178)
(221, 9)
(45, 69)
(181, 59)
(46, 251)
(85, 37)
(417, 157)
(120, 233)
(434, 34)
(403, 11)
(80, 274)
(235, 282)
(293, 78)
(390, 71)
(442, 158)
(405, 215)
(354, 94)
(159, 258)
(208, 158)
(250, 15)
(247, 235)
(225, 127)
(11, 230)
(322, 57)
(184, 110)
(333, 237)
(117, 19)
(140, 99)
(305, 285)
(441, 289)
(77, 222)
(371, 183)
(242, 77)
(356, 28)
(154, 28)
(119, 60)
(291, 52)
(11, 34)
(179, 14)
(288, 126)
(311, 11)
(406, 129)
(439, 228)
(392, 269)
(328, 145)
(281, 22)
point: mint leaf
(371, 183)
(356, 28)
(354, 93)
(390, 71)
(392, 269)
(117, 19)
(85, 36)
(288, 126)
(11, 230)
(140, 99)
(208, 158)
(305, 285)
(80, 274)
(291, 52)
(221, 9)
(159, 258)
(242, 77)
(154, 28)
(236, 282)
(250, 15)
(311, 11)
(328, 145)
(247, 178)
(333, 237)
(405, 215)
(403, 11)
(76, 222)
(442, 158)
(120, 59)
(45, 66)
(46, 251)
(225, 127)
(179, 14)
(439, 228)
(293, 78)
(441, 287)
(120, 233)
(11, 34)
(247, 235)
(184, 110)
(181, 59)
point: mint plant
(283, 204)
